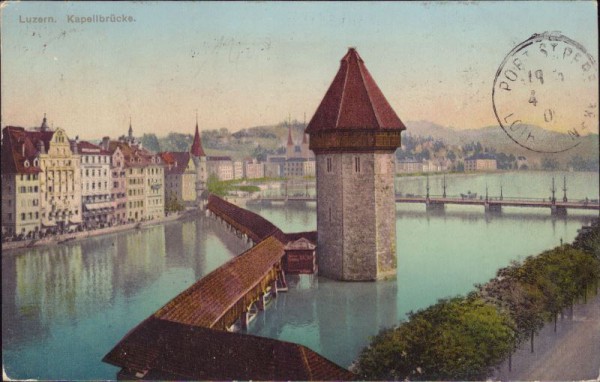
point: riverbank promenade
(570, 354)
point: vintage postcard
(300, 191)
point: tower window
(329, 165)
(356, 164)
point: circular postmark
(545, 93)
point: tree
(150, 142)
(458, 338)
(549, 163)
(588, 239)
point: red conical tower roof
(196, 149)
(354, 101)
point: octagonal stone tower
(354, 134)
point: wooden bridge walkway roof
(170, 350)
(207, 300)
(253, 225)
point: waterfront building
(354, 134)
(199, 159)
(60, 183)
(118, 183)
(254, 169)
(220, 166)
(96, 183)
(309, 167)
(480, 162)
(238, 169)
(180, 177)
(409, 166)
(135, 166)
(155, 185)
(275, 166)
(20, 184)
(294, 167)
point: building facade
(155, 186)
(60, 183)
(220, 166)
(96, 184)
(354, 150)
(254, 169)
(180, 178)
(480, 162)
(119, 188)
(20, 184)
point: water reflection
(65, 306)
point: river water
(64, 307)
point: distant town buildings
(480, 162)
(53, 184)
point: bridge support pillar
(245, 320)
(274, 288)
(558, 210)
(261, 302)
(493, 208)
(435, 206)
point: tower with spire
(290, 148)
(354, 134)
(199, 159)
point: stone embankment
(68, 237)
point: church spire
(290, 142)
(130, 128)
(196, 148)
(44, 125)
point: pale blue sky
(248, 64)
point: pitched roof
(206, 301)
(290, 142)
(18, 148)
(169, 350)
(354, 101)
(176, 161)
(85, 147)
(197, 149)
(255, 226)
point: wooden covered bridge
(190, 337)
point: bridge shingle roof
(206, 301)
(170, 350)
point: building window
(329, 165)
(23, 216)
(356, 164)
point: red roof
(85, 147)
(290, 142)
(165, 350)
(354, 101)
(205, 302)
(196, 149)
(176, 161)
(255, 226)
(18, 149)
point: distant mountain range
(495, 137)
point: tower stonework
(354, 134)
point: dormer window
(26, 163)
(36, 163)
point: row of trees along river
(466, 337)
